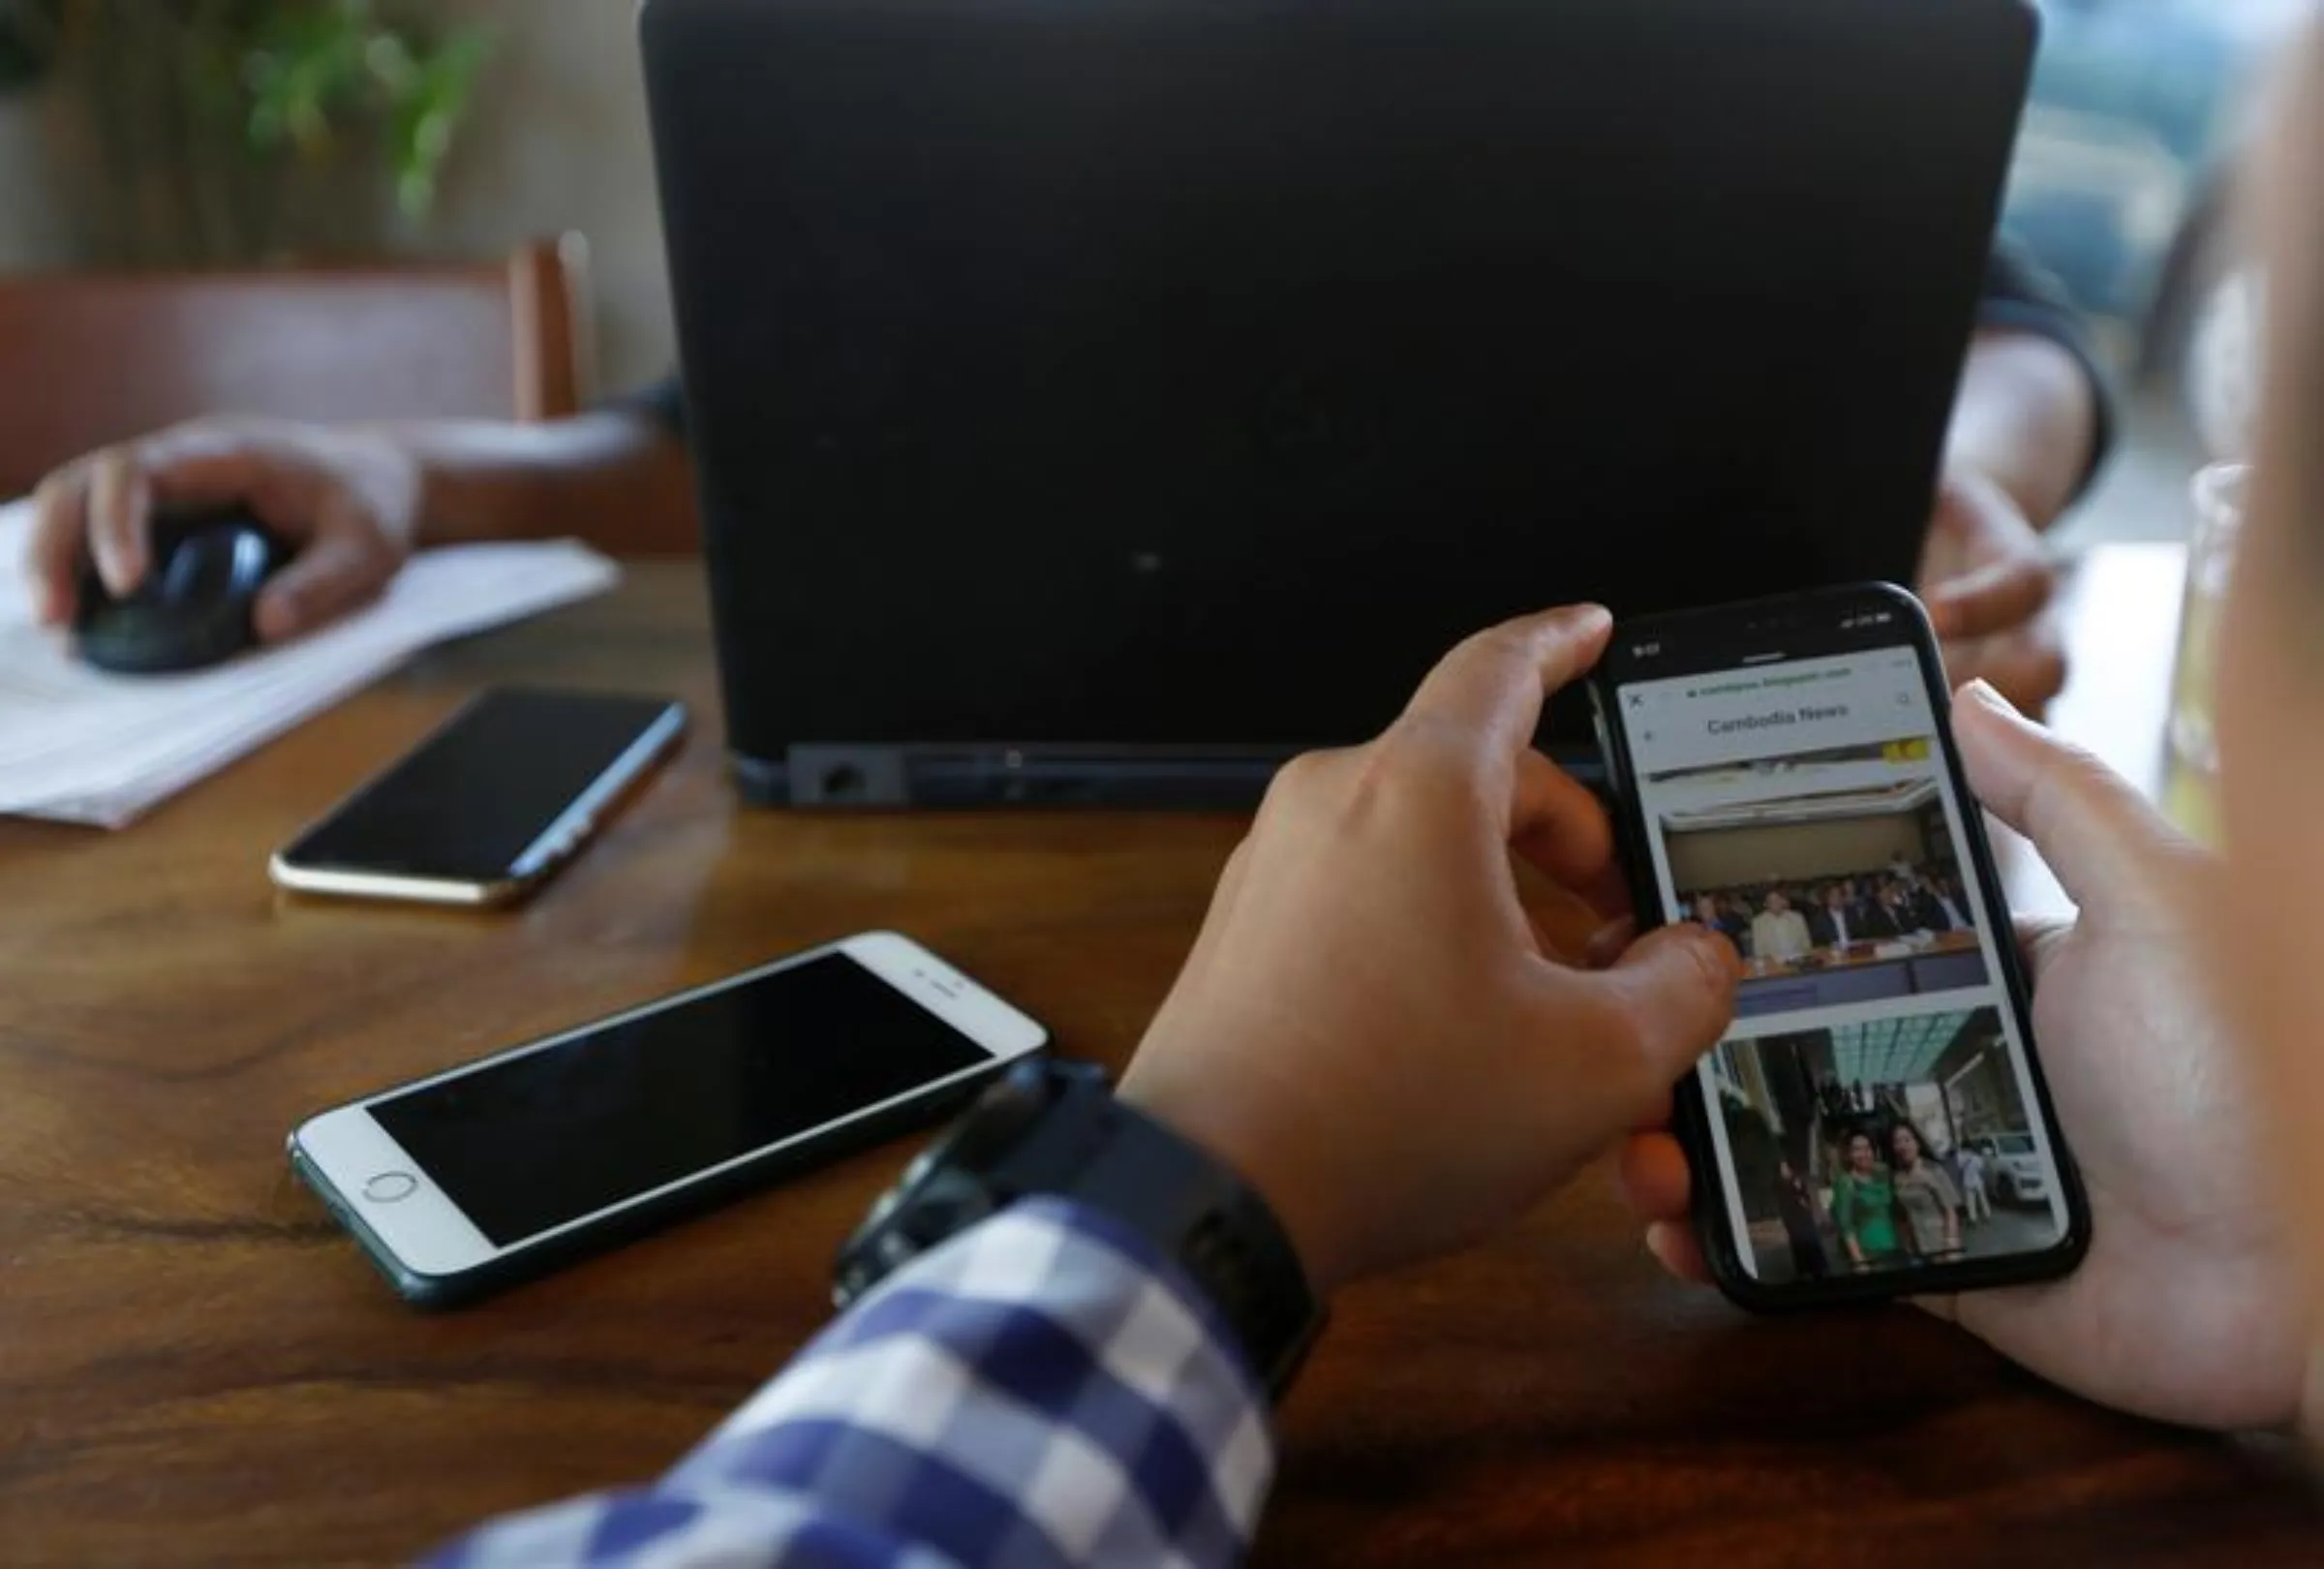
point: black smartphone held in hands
(1875, 1124)
(497, 1171)
(488, 807)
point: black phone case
(1691, 1110)
(442, 1292)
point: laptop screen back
(1166, 374)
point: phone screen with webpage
(1874, 1108)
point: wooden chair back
(90, 359)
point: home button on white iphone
(390, 1187)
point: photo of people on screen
(1894, 1144)
(1846, 897)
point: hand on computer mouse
(195, 609)
(346, 503)
(1369, 1027)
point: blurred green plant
(227, 101)
(299, 71)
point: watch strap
(1052, 1128)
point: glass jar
(2218, 500)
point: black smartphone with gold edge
(492, 804)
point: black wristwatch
(1054, 1127)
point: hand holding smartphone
(1875, 1124)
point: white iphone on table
(496, 1169)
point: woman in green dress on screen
(1864, 1208)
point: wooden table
(197, 1367)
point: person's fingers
(1558, 827)
(2027, 666)
(102, 509)
(202, 465)
(1610, 941)
(2098, 834)
(1653, 1175)
(2009, 581)
(120, 507)
(2038, 937)
(341, 571)
(2032, 930)
(2029, 672)
(1493, 686)
(1997, 598)
(52, 554)
(1679, 1250)
(1675, 991)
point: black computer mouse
(194, 609)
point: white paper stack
(80, 746)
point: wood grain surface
(195, 1367)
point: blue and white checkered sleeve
(1045, 1390)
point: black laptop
(1098, 401)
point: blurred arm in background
(2031, 426)
(596, 476)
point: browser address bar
(1808, 707)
